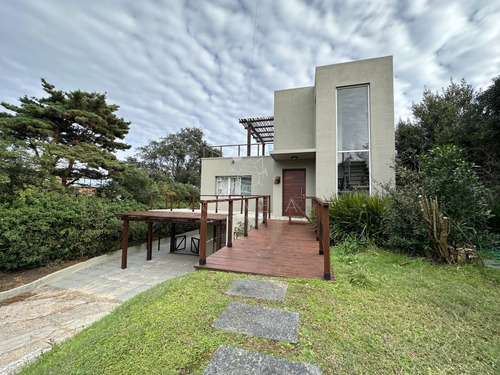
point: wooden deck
(278, 249)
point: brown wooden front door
(294, 186)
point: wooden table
(173, 217)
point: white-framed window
(234, 185)
(353, 138)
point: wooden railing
(174, 200)
(178, 198)
(321, 210)
(204, 204)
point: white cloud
(170, 64)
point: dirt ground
(11, 280)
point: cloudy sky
(169, 64)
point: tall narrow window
(353, 138)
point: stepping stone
(258, 289)
(228, 360)
(259, 321)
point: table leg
(149, 243)
(173, 244)
(125, 243)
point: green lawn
(385, 314)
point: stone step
(266, 322)
(229, 360)
(258, 289)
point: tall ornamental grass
(357, 215)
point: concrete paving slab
(53, 309)
(229, 360)
(258, 289)
(266, 322)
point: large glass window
(234, 185)
(353, 138)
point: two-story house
(335, 136)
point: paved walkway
(74, 298)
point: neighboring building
(335, 136)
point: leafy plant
(452, 180)
(402, 224)
(357, 214)
(40, 228)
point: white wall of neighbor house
(377, 73)
(294, 119)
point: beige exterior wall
(258, 167)
(378, 74)
(294, 119)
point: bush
(359, 215)
(40, 228)
(451, 179)
(403, 225)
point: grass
(386, 313)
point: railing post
(151, 198)
(217, 204)
(171, 203)
(203, 234)
(256, 213)
(230, 225)
(326, 242)
(245, 233)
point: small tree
(71, 134)
(450, 178)
(175, 157)
(435, 121)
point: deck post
(326, 241)
(203, 234)
(230, 225)
(264, 213)
(173, 244)
(125, 243)
(171, 203)
(245, 233)
(218, 237)
(149, 241)
(151, 197)
(256, 213)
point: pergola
(261, 129)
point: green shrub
(449, 177)
(493, 202)
(403, 225)
(359, 215)
(40, 228)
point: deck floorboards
(275, 249)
